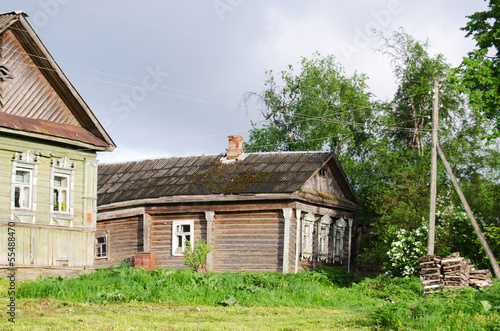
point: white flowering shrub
(405, 250)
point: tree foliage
(481, 68)
(317, 108)
(384, 147)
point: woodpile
(455, 271)
(480, 278)
(430, 272)
(450, 272)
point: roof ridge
(202, 155)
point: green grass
(43, 314)
(133, 298)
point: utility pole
(480, 235)
(432, 207)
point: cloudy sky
(166, 78)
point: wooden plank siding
(125, 239)
(53, 244)
(29, 94)
(52, 247)
(250, 241)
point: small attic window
(4, 73)
(322, 172)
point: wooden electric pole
(489, 253)
(432, 207)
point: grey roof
(206, 175)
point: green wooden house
(49, 139)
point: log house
(260, 211)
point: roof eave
(57, 139)
(297, 196)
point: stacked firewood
(430, 272)
(450, 272)
(455, 271)
(480, 278)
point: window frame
(59, 190)
(62, 168)
(308, 221)
(106, 244)
(22, 186)
(338, 243)
(323, 225)
(175, 236)
(27, 162)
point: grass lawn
(51, 314)
(169, 299)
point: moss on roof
(206, 175)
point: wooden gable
(330, 182)
(36, 98)
(324, 181)
(27, 92)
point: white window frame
(62, 168)
(27, 162)
(338, 239)
(323, 235)
(178, 248)
(104, 235)
(61, 205)
(22, 186)
(307, 235)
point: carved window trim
(323, 235)
(338, 239)
(308, 222)
(26, 162)
(62, 168)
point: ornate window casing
(338, 239)
(102, 245)
(307, 235)
(323, 235)
(182, 231)
(24, 187)
(62, 186)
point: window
(323, 234)
(307, 235)
(182, 231)
(338, 240)
(23, 188)
(101, 245)
(61, 191)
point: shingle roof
(206, 175)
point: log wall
(161, 237)
(125, 239)
(251, 241)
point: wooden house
(259, 211)
(48, 168)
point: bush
(196, 257)
(405, 251)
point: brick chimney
(235, 147)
